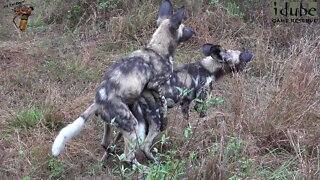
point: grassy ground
(266, 128)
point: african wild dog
(145, 69)
(198, 77)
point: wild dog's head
(226, 60)
(170, 31)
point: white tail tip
(66, 134)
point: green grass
(26, 119)
(69, 71)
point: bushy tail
(72, 130)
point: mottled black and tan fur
(146, 69)
(197, 77)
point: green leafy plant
(94, 168)
(205, 103)
(214, 2)
(26, 118)
(26, 178)
(209, 12)
(57, 168)
(187, 131)
(109, 4)
(183, 91)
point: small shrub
(57, 168)
(26, 118)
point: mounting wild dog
(145, 69)
(197, 77)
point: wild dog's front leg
(152, 133)
(200, 106)
(185, 109)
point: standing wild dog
(145, 69)
(197, 77)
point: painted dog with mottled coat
(197, 77)
(146, 69)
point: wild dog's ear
(186, 34)
(165, 12)
(217, 51)
(246, 56)
(212, 50)
(206, 49)
(176, 19)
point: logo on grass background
(295, 12)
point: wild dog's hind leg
(126, 123)
(129, 128)
(146, 145)
(107, 136)
(106, 141)
(131, 142)
(154, 116)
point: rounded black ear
(206, 49)
(216, 51)
(246, 56)
(176, 19)
(165, 11)
(186, 34)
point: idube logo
(295, 12)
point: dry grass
(267, 127)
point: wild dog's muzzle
(246, 57)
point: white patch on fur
(208, 80)
(196, 80)
(171, 60)
(158, 113)
(146, 65)
(207, 59)
(180, 31)
(232, 56)
(139, 109)
(141, 131)
(171, 64)
(102, 94)
(66, 134)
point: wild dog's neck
(163, 50)
(213, 67)
(162, 41)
